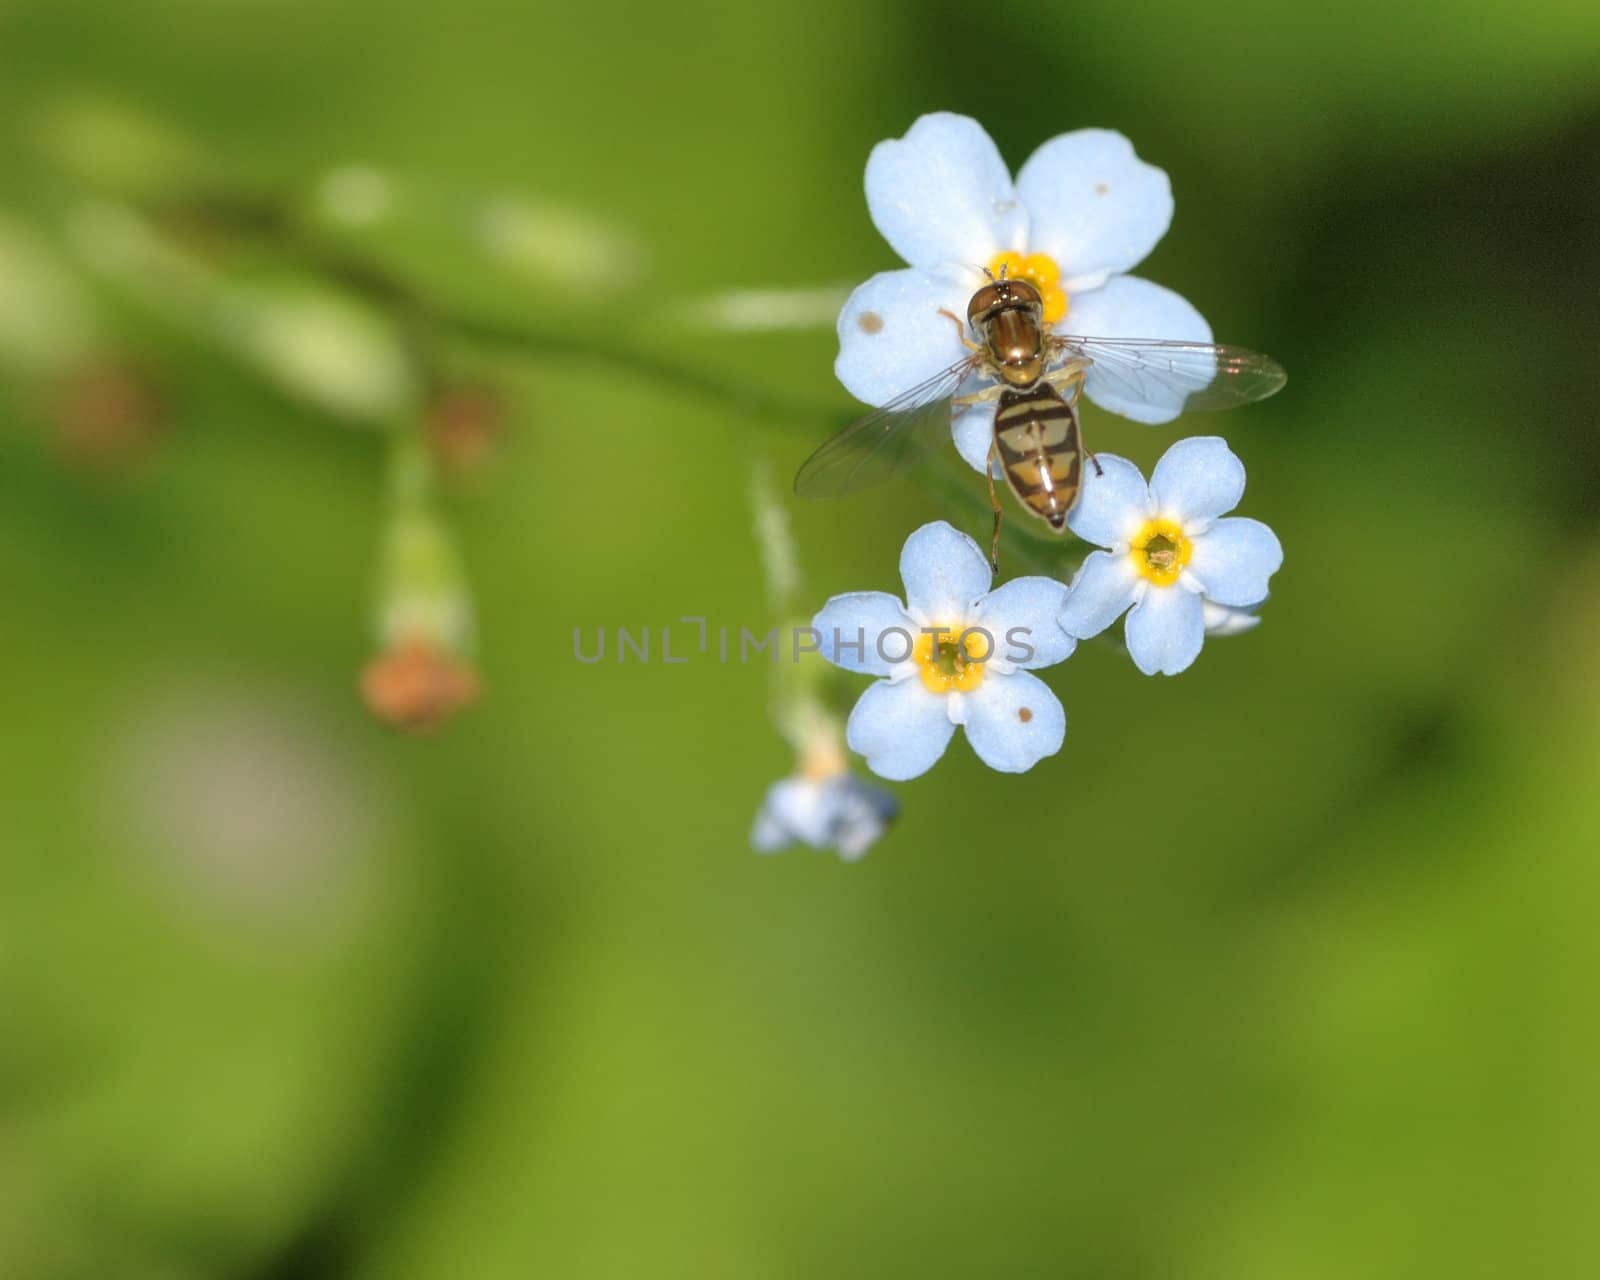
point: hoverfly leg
(977, 397)
(1094, 458)
(961, 329)
(994, 501)
(1068, 380)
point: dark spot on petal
(870, 322)
(1101, 189)
(1024, 714)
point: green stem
(422, 320)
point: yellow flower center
(1160, 551)
(1039, 270)
(950, 661)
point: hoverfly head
(1001, 294)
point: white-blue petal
(855, 631)
(771, 831)
(1113, 503)
(1224, 620)
(943, 194)
(1107, 583)
(973, 430)
(1128, 307)
(1093, 205)
(1165, 630)
(1196, 481)
(902, 729)
(1233, 559)
(860, 812)
(944, 574)
(792, 811)
(1014, 721)
(1022, 618)
(892, 337)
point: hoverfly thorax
(1008, 316)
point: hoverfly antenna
(990, 274)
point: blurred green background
(1285, 968)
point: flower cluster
(1170, 559)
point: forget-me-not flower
(954, 653)
(1171, 549)
(841, 811)
(1082, 211)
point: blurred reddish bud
(107, 414)
(417, 686)
(464, 423)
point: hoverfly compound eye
(986, 299)
(1023, 291)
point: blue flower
(841, 811)
(954, 653)
(1169, 554)
(1082, 212)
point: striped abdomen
(1040, 451)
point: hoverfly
(1036, 379)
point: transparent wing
(1176, 377)
(887, 440)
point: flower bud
(464, 424)
(423, 673)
